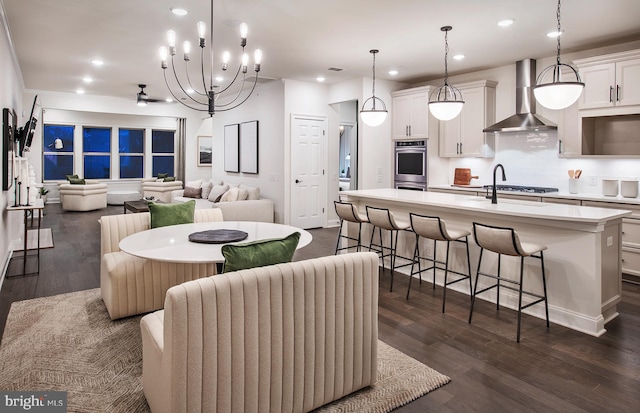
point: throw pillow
(259, 253)
(169, 179)
(190, 192)
(253, 192)
(71, 176)
(206, 190)
(242, 194)
(194, 184)
(77, 181)
(171, 214)
(216, 192)
(230, 196)
(162, 176)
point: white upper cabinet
(410, 114)
(610, 81)
(462, 136)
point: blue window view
(131, 141)
(163, 165)
(131, 166)
(57, 166)
(62, 132)
(96, 139)
(162, 141)
(97, 166)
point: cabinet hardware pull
(406, 130)
(610, 93)
(559, 146)
(409, 130)
(460, 148)
(618, 93)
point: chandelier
(445, 102)
(207, 98)
(558, 94)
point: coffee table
(138, 206)
(171, 243)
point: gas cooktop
(519, 188)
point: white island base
(582, 262)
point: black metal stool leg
(475, 288)
(446, 272)
(520, 298)
(416, 254)
(544, 288)
(339, 237)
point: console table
(37, 205)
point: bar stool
(348, 212)
(434, 228)
(505, 241)
(382, 218)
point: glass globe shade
(559, 95)
(445, 110)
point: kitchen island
(582, 262)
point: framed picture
(205, 150)
(231, 148)
(9, 121)
(249, 147)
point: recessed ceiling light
(320, 79)
(554, 34)
(219, 78)
(87, 79)
(393, 72)
(97, 62)
(178, 11)
(169, 100)
(505, 22)
(80, 91)
(189, 91)
(458, 57)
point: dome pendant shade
(373, 117)
(557, 94)
(445, 102)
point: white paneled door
(308, 184)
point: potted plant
(43, 194)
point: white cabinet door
(569, 136)
(472, 121)
(401, 117)
(599, 90)
(419, 125)
(410, 113)
(450, 138)
(628, 82)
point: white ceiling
(56, 40)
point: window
(57, 163)
(162, 149)
(96, 144)
(131, 150)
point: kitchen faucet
(494, 196)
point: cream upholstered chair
(159, 189)
(505, 241)
(348, 212)
(251, 340)
(84, 197)
(382, 218)
(435, 229)
(132, 285)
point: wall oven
(412, 186)
(410, 163)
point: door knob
(298, 181)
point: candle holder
(19, 193)
(28, 196)
(16, 193)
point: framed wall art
(9, 128)
(231, 148)
(249, 147)
(205, 150)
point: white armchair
(87, 197)
(159, 190)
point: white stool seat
(120, 197)
(348, 212)
(529, 248)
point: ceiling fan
(142, 98)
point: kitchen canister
(573, 185)
(610, 187)
(629, 188)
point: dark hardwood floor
(559, 370)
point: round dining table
(171, 243)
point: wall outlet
(593, 180)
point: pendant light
(558, 94)
(445, 102)
(373, 117)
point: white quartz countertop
(507, 207)
(566, 195)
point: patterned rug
(68, 343)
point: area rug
(68, 343)
(46, 239)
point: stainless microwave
(411, 161)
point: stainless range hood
(525, 119)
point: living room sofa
(131, 285)
(284, 338)
(83, 197)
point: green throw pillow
(162, 176)
(69, 177)
(169, 179)
(171, 214)
(259, 253)
(76, 181)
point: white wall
(11, 90)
